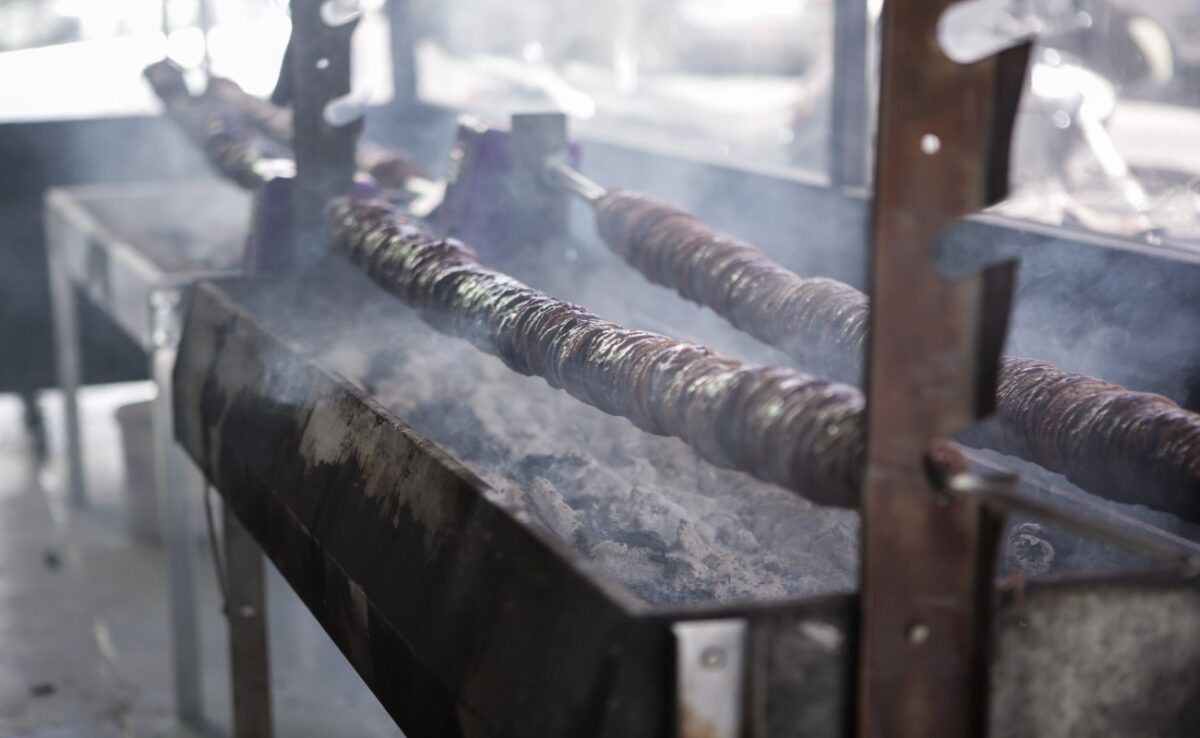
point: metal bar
(999, 492)
(246, 609)
(68, 351)
(934, 345)
(1085, 505)
(560, 173)
(175, 478)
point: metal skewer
(1000, 493)
(559, 173)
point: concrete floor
(84, 646)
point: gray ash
(1027, 551)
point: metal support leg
(176, 480)
(68, 354)
(249, 658)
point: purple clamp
(497, 199)
(270, 247)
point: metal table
(134, 251)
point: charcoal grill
(470, 610)
(465, 620)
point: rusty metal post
(944, 133)
(319, 56)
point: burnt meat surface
(821, 322)
(778, 424)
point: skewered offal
(389, 167)
(226, 123)
(1127, 446)
(778, 424)
(226, 138)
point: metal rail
(1001, 493)
(559, 173)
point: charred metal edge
(462, 621)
